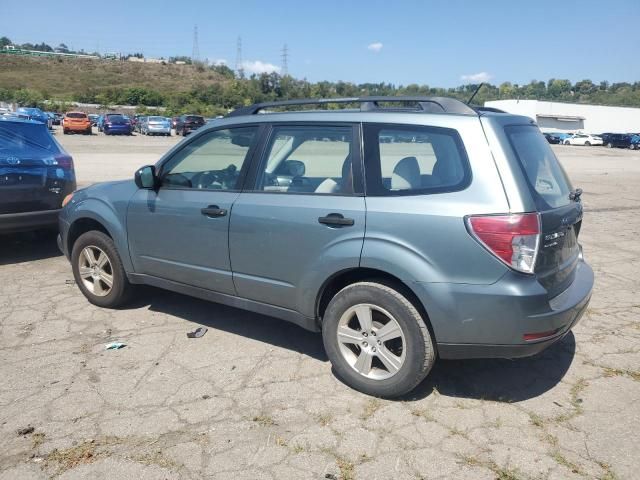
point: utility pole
(285, 60)
(239, 67)
(195, 53)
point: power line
(239, 67)
(195, 53)
(285, 60)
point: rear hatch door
(32, 176)
(558, 204)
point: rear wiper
(575, 194)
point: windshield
(157, 119)
(21, 138)
(548, 181)
(194, 118)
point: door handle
(336, 220)
(213, 211)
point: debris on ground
(115, 346)
(69, 282)
(26, 430)
(197, 333)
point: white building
(573, 117)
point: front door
(304, 219)
(180, 232)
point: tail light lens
(65, 161)
(514, 239)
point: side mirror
(145, 177)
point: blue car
(116, 124)
(635, 141)
(35, 114)
(36, 174)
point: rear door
(560, 212)
(304, 219)
(35, 174)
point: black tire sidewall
(121, 287)
(418, 343)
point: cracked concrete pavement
(255, 397)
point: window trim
(240, 183)
(373, 164)
(261, 158)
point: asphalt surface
(255, 397)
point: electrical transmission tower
(195, 53)
(239, 67)
(285, 60)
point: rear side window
(414, 159)
(547, 179)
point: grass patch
(69, 458)
(156, 458)
(37, 439)
(619, 372)
(423, 413)
(324, 419)
(536, 420)
(346, 469)
(562, 460)
(264, 420)
(370, 408)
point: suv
(402, 234)
(188, 123)
(618, 140)
(35, 175)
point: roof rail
(369, 104)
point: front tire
(587, 144)
(376, 339)
(98, 270)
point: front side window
(410, 160)
(211, 162)
(308, 159)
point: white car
(583, 139)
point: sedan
(35, 176)
(156, 126)
(583, 139)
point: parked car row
(610, 140)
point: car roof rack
(370, 104)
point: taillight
(65, 161)
(514, 238)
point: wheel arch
(341, 279)
(83, 225)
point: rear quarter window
(414, 159)
(547, 180)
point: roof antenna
(474, 94)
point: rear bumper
(490, 321)
(21, 222)
(77, 128)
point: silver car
(403, 232)
(155, 125)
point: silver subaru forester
(402, 228)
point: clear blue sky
(401, 42)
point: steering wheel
(207, 180)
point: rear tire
(98, 270)
(361, 356)
(587, 144)
(609, 145)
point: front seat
(329, 185)
(406, 175)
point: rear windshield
(76, 115)
(547, 179)
(115, 117)
(21, 138)
(194, 118)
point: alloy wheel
(371, 341)
(95, 270)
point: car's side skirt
(230, 300)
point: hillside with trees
(215, 89)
